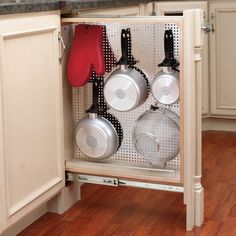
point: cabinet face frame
(14, 27)
(3, 212)
(221, 92)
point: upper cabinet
(31, 123)
(222, 59)
(176, 8)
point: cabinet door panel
(29, 116)
(222, 53)
(31, 112)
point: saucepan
(165, 85)
(125, 88)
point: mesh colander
(156, 135)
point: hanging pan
(95, 136)
(165, 86)
(156, 135)
(125, 88)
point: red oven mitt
(86, 54)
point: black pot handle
(124, 60)
(126, 57)
(94, 108)
(169, 60)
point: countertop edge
(63, 5)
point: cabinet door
(222, 59)
(31, 140)
(177, 8)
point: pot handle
(126, 57)
(169, 60)
(124, 60)
(94, 108)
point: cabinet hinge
(209, 25)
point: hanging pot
(125, 88)
(165, 86)
(156, 135)
(95, 136)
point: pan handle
(126, 57)
(124, 60)
(95, 105)
(169, 60)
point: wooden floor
(130, 211)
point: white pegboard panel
(148, 49)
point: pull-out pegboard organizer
(148, 49)
(126, 166)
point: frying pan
(125, 88)
(95, 136)
(165, 86)
(86, 54)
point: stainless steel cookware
(156, 135)
(126, 88)
(96, 136)
(165, 86)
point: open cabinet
(127, 167)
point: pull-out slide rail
(75, 177)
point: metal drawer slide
(74, 177)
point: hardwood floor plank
(211, 228)
(228, 227)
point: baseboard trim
(220, 124)
(25, 221)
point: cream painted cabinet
(176, 8)
(222, 59)
(31, 124)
